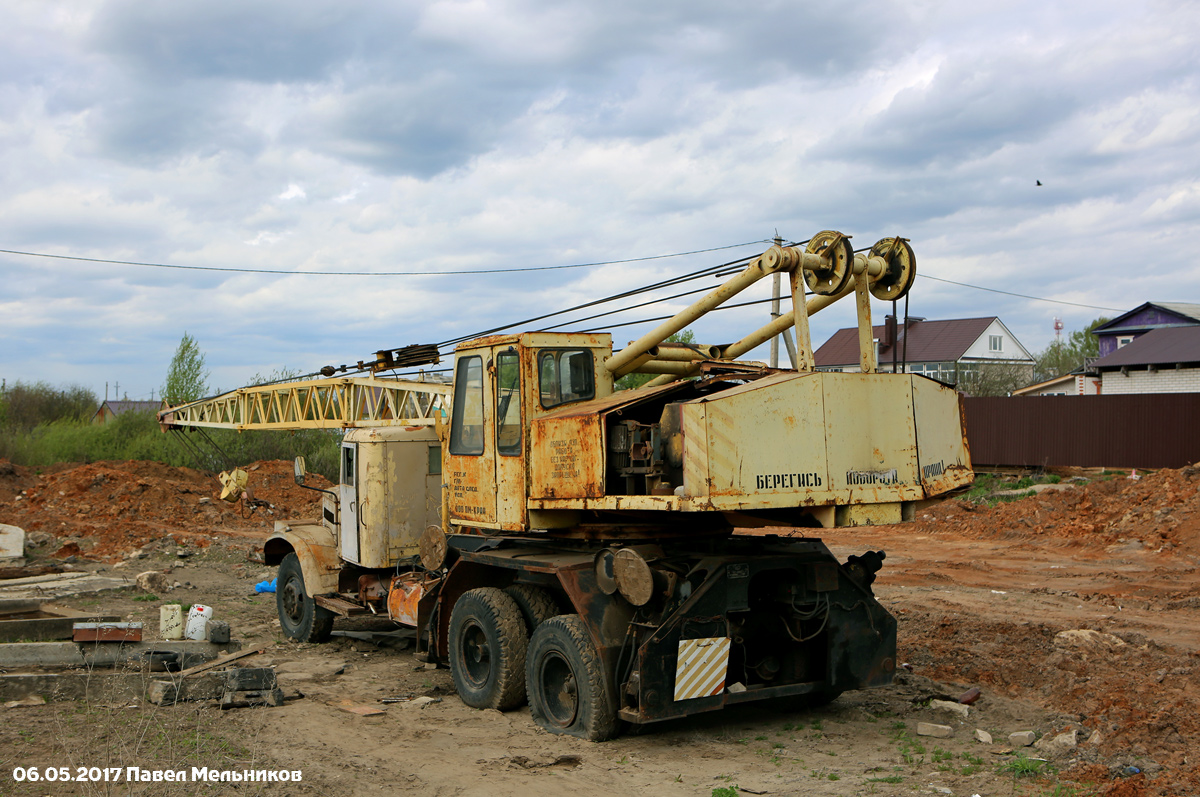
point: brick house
(1160, 360)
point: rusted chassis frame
(755, 590)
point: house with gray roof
(111, 409)
(1161, 360)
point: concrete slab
(103, 687)
(59, 585)
(37, 621)
(15, 655)
(12, 545)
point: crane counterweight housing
(658, 544)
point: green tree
(187, 378)
(1064, 356)
(24, 406)
(630, 381)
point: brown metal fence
(1151, 430)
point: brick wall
(1167, 380)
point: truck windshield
(565, 375)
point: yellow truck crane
(587, 550)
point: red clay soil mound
(1105, 690)
(14, 479)
(1159, 511)
(104, 509)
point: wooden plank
(339, 606)
(221, 661)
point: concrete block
(209, 686)
(1058, 745)
(983, 736)
(242, 679)
(218, 632)
(937, 731)
(247, 698)
(12, 545)
(1022, 738)
(954, 708)
(153, 581)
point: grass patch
(137, 436)
(1023, 767)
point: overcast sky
(428, 137)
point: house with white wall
(950, 350)
(1161, 360)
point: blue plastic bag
(265, 586)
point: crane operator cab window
(466, 430)
(565, 375)
(508, 403)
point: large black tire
(299, 617)
(487, 649)
(535, 604)
(568, 690)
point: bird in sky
(1039, 182)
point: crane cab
(502, 383)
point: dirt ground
(1076, 612)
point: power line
(371, 273)
(709, 270)
(1020, 295)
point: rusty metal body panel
(792, 620)
(316, 548)
(793, 440)
(398, 496)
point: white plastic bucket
(197, 622)
(170, 621)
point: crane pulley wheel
(836, 248)
(900, 272)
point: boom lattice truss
(338, 403)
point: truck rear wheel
(568, 690)
(487, 649)
(535, 604)
(299, 616)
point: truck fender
(315, 547)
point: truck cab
(501, 385)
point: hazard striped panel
(701, 668)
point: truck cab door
(471, 460)
(511, 505)
(348, 495)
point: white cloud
(462, 135)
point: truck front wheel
(568, 690)
(487, 649)
(299, 616)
